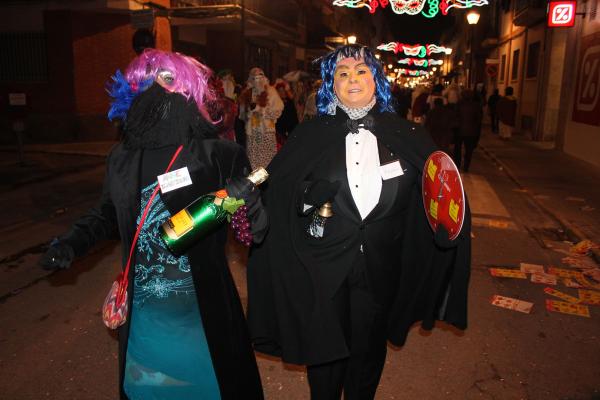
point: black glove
(320, 192)
(242, 188)
(58, 256)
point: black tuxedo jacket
(292, 276)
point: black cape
(287, 315)
(210, 163)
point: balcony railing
(265, 8)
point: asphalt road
(54, 345)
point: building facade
(555, 72)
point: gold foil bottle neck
(258, 176)
(325, 210)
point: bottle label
(181, 223)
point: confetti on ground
(546, 279)
(589, 297)
(567, 308)
(583, 247)
(587, 283)
(579, 262)
(587, 208)
(578, 199)
(564, 273)
(593, 273)
(512, 304)
(507, 273)
(532, 268)
(572, 284)
(561, 295)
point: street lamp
(351, 39)
(472, 19)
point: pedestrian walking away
(350, 260)
(493, 110)
(469, 128)
(507, 113)
(440, 122)
(185, 335)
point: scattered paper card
(582, 262)
(563, 272)
(507, 273)
(532, 268)
(512, 304)
(567, 308)
(583, 247)
(572, 284)
(587, 283)
(589, 297)
(593, 273)
(546, 279)
(561, 295)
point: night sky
(417, 29)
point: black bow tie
(366, 122)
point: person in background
(493, 110)
(469, 128)
(310, 108)
(441, 122)
(436, 93)
(289, 119)
(507, 113)
(185, 336)
(419, 106)
(222, 109)
(260, 107)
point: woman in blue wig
(185, 335)
(350, 261)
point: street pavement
(527, 202)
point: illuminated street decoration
(410, 72)
(420, 62)
(412, 7)
(414, 50)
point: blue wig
(123, 95)
(326, 95)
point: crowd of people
(260, 115)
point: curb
(574, 233)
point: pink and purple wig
(189, 78)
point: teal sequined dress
(167, 354)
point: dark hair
(325, 94)
(509, 91)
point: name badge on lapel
(174, 180)
(391, 170)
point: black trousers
(365, 324)
(470, 144)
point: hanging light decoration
(419, 62)
(414, 50)
(412, 7)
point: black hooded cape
(288, 314)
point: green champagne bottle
(202, 216)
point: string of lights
(412, 7)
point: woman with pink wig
(185, 336)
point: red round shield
(443, 194)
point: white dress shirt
(362, 168)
